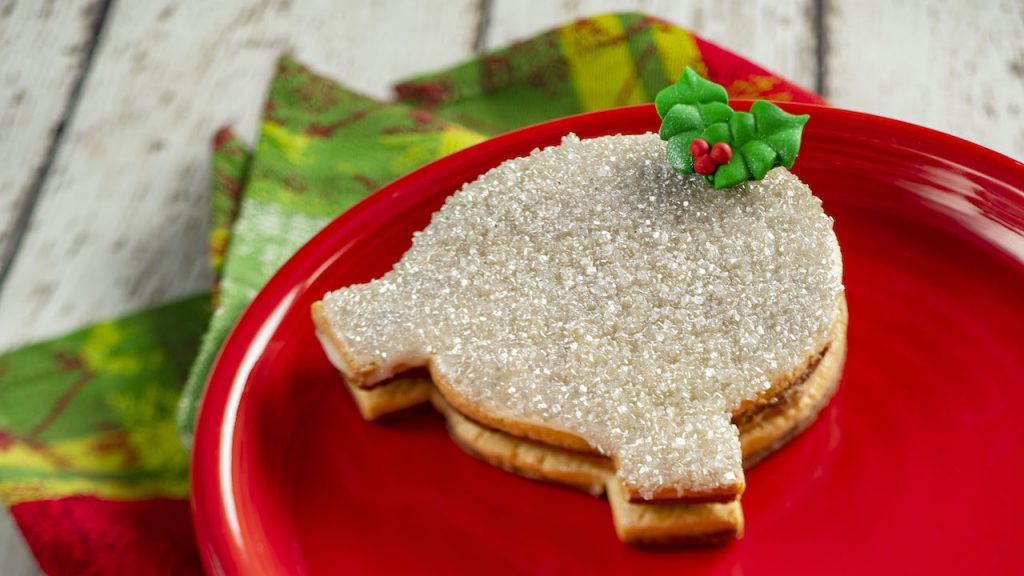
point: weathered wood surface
(42, 51)
(953, 65)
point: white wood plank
(15, 558)
(777, 34)
(952, 65)
(122, 220)
(42, 47)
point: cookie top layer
(591, 289)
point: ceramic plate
(915, 466)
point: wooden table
(108, 107)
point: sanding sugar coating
(591, 289)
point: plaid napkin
(91, 458)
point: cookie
(589, 300)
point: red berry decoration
(721, 153)
(699, 147)
(704, 165)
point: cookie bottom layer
(646, 523)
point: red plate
(916, 466)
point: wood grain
(777, 34)
(952, 65)
(42, 49)
(122, 219)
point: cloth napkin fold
(90, 459)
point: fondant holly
(707, 137)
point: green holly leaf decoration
(687, 108)
(760, 140)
